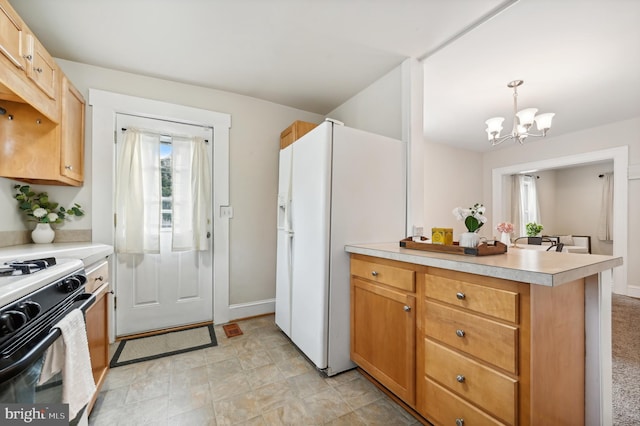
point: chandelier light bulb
(494, 125)
(526, 116)
(543, 121)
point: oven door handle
(37, 351)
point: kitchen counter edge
(88, 252)
(530, 266)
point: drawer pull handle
(461, 296)
(67, 167)
(407, 308)
(460, 378)
(28, 57)
(459, 422)
(38, 70)
(460, 333)
(100, 278)
(374, 273)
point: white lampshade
(494, 125)
(521, 129)
(543, 121)
(526, 116)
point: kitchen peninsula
(517, 338)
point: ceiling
(578, 58)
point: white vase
(469, 239)
(505, 238)
(43, 234)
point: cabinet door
(383, 336)
(42, 69)
(97, 323)
(72, 132)
(11, 37)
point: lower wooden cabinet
(383, 335)
(97, 322)
(465, 349)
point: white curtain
(191, 181)
(138, 194)
(605, 223)
(524, 203)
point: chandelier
(522, 121)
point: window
(165, 176)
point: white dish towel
(70, 354)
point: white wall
(452, 178)
(578, 202)
(254, 140)
(377, 108)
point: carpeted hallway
(626, 360)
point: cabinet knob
(100, 278)
(459, 422)
(407, 308)
(38, 70)
(460, 333)
(460, 378)
(374, 273)
(68, 167)
(460, 296)
(28, 57)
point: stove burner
(24, 267)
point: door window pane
(165, 174)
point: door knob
(407, 308)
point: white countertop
(530, 266)
(87, 252)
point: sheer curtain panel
(605, 223)
(138, 194)
(191, 194)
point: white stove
(19, 284)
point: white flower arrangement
(473, 216)
(39, 207)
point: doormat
(232, 330)
(165, 344)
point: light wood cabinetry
(41, 68)
(43, 127)
(28, 73)
(383, 325)
(294, 132)
(97, 322)
(487, 351)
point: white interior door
(169, 289)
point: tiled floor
(258, 378)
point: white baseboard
(252, 309)
(633, 291)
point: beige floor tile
(264, 375)
(308, 384)
(254, 359)
(383, 412)
(294, 367)
(236, 409)
(152, 387)
(187, 361)
(222, 369)
(358, 392)
(274, 395)
(325, 406)
(235, 384)
(189, 399)
(182, 381)
(219, 353)
(203, 416)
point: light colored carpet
(626, 360)
(160, 345)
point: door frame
(105, 105)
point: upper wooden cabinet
(72, 132)
(294, 132)
(41, 68)
(28, 73)
(42, 131)
(11, 36)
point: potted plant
(473, 220)
(533, 229)
(40, 209)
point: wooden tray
(484, 249)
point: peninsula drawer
(403, 279)
(485, 339)
(501, 304)
(445, 408)
(485, 387)
(96, 276)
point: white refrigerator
(337, 186)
